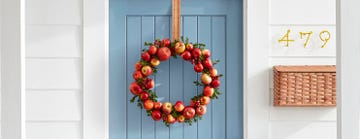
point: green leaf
(216, 61)
(132, 100)
(148, 44)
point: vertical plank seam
(141, 47)
(226, 108)
(169, 74)
(183, 34)
(197, 92)
(127, 83)
(154, 36)
(212, 107)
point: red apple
(148, 104)
(155, 62)
(138, 66)
(179, 106)
(156, 115)
(186, 55)
(201, 110)
(208, 91)
(149, 84)
(196, 53)
(204, 100)
(164, 53)
(146, 70)
(181, 119)
(179, 47)
(189, 47)
(152, 50)
(189, 112)
(213, 72)
(215, 83)
(144, 96)
(207, 63)
(170, 119)
(137, 75)
(166, 42)
(157, 105)
(167, 107)
(198, 67)
(206, 53)
(194, 103)
(206, 79)
(157, 42)
(145, 56)
(135, 88)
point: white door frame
(12, 69)
(95, 69)
(348, 69)
(256, 125)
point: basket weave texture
(304, 85)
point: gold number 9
(326, 38)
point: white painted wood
(302, 12)
(256, 96)
(296, 48)
(303, 130)
(96, 77)
(54, 74)
(68, 12)
(313, 114)
(54, 130)
(53, 106)
(12, 69)
(348, 69)
(302, 60)
(53, 41)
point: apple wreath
(162, 50)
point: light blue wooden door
(218, 24)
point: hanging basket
(304, 85)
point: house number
(324, 37)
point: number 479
(324, 37)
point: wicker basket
(304, 86)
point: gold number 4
(307, 38)
(286, 39)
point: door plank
(219, 48)
(147, 27)
(133, 54)
(162, 30)
(205, 125)
(190, 30)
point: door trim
(256, 124)
(95, 69)
(347, 50)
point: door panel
(132, 23)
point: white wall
(54, 81)
(269, 20)
(301, 15)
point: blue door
(218, 24)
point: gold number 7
(308, 37)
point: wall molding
(348, 49)
(95, 69)
(13, 69)
(256, 114)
